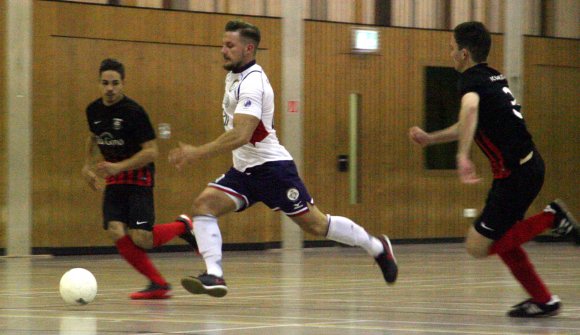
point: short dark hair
(247, 31)
(111, 64)
(474, 37)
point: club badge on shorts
(292, 194)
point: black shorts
(130, 204)
(509, 198)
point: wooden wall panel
(2, 123)
(399, 197)
(174, 72)
(552, 81)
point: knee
(142, 238)
(476, 251)
(206, 204)
(315, 228)
(476, 244)
(115, 230)
(200, 206)
(316, 225)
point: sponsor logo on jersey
(292, 194)
(108, 139)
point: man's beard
(232, 66)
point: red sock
(522, 232)
(164, 233)
(139, 260)
(519, 264)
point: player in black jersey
(490, 114)
(121, 130)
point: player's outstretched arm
(424, 138)
(419, 136)
(240, 134)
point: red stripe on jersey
(260, 133)
(481, 145)
(111, 180)
(141, 177)
(120, 178)
(149, 178)
(494, 155)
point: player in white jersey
(263, 170)
(249, 92)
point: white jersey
(250, 92)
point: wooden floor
(317, 291)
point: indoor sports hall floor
(318, 291)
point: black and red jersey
(501, 130)
(119, 131)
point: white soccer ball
(78, 286)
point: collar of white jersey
(245, 67)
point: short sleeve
(89, 120)
(470, 83)
(90, 112)
(144, 131)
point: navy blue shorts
(509, 198)
(130, 204)
(276, 184)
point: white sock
(344, 230)
(209, 241)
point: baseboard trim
(108, 250)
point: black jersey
(501, 131)
(119, 130)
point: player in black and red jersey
(121, 130)
(490, 115)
